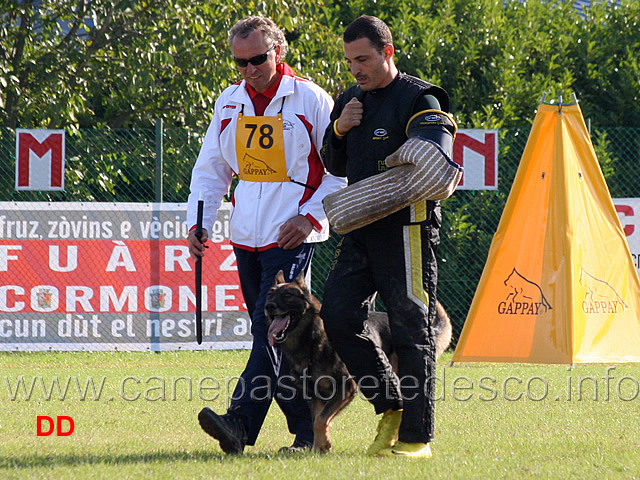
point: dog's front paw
(323, 446)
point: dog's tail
(442, 330)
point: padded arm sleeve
(423, 170)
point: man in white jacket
(267, 130)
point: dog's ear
(300, 279)
(279, 278)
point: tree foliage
(85, 63)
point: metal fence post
(159, 158)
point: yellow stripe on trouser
(413, 266)
(419, 212)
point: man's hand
(196, 247)
(350, 117)
(293, 232)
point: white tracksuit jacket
(260, 208)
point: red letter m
(44, 176)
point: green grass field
(140, 421)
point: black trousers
(400, 265)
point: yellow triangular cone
(559, 284)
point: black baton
(198, 234)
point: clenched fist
(350, 117)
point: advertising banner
(113, 276)
(629, 214)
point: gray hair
(272, 34)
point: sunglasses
(257, 60)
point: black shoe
(298, 446)
(228, 429)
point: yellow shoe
(404, 449)
(388, 428)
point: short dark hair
(369, 27)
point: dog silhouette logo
(255, 166)
(600, 297)
(524, 297)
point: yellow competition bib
(260, 149)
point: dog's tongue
(278, 324)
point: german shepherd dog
(295, 325)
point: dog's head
(286, 304)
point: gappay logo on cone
(524, 297)
(600, 297)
